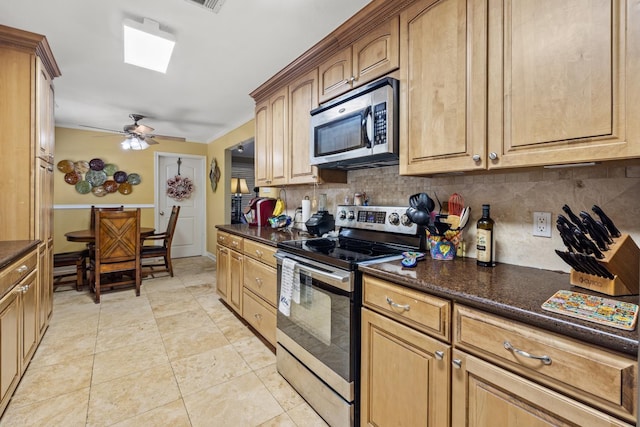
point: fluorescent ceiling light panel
(146, 46)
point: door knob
(161, 213)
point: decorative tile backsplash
(513, 197)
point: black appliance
(320, 297)
(320, 223)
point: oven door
(322, 327)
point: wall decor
(180, 187)
(97, 177)
(214, 175)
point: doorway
(189, 236)
(242, 167)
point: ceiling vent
(213, 5)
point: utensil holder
(623, 261)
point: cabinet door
(262, 145)
(235, 281)
(9, 347)
(303, 97)
(377, 53)
(44, 118)
(484, 395)
(558, 81)
(29, 312)
(279, 135)
(443, 90)
(335, 75)
(405, 375)
(222, 271)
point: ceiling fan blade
(167, 137)
(104, 129)
(142, 129)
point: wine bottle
(484, 239)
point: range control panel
(380, 218)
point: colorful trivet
(617, 314)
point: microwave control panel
(380, 123)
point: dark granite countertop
(267, 235)
(509, 291)
(11, 250)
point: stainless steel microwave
(358, 129)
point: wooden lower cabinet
(9, 347)
(222, 271)
(484, 395)
(235, 281)
(404, 374)
(260, 315)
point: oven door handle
(341, 281)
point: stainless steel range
(320, 296)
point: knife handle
(606, 221)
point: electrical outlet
(542, 224)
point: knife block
(623, 261)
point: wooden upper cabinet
(562, 78)
(279, 137)
(371, 56)
(303, 97)
(271, 140)
(443, 86)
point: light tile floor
(174, 356)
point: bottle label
(483, 245)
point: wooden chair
(117, 251)
(163, 251)
(92, 218)
(77, 278)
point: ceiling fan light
(240, 149)
(146, 46)
(134, 143)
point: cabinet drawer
(260, 315)
(588, 373)
(260, 252)
(416, 309)
(17, 271)
(261, 279)
(230, 240)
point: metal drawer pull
(22, 269)
(259, 281)
(392, 303)
(544, 359)
(259, 253)
(457, 363)
(439, 355)
(258, 316)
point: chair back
(171, 226)
(92, 218)
(117, 240)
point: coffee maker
(260, 209)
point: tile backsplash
(513, 196)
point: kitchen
(513, 194)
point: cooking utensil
(442, 227)
(574, 218)
(439, 204)
(452, 220)
(587, 244)
(597, 234)
(599, 269)
(422, 201)
(606, 221)
(418, 216)
(456, 204)
(464, 217)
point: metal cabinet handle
(476, 157)
(439, 355)
(457, 363)
(493, 156)
(392, 303)
(161, 213)
(234, 244)
(544, 359)
(259, 253)
(259, 282)
(258, 316)
(25, 288)
(22, 269)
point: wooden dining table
(88, 236)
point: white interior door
(188, 239)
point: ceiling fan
(138, 132)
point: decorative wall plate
(96, 164)
(95, 177)
(214, 174)
(83, 187)
(81, 166)
(72, 178)
(65, 166)
(125, 188)
(120, 177)
(134, 179)
(110, 169)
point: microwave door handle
(367, 126)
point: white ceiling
(218, 59)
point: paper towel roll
(306, 211)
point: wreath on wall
(180, 187)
